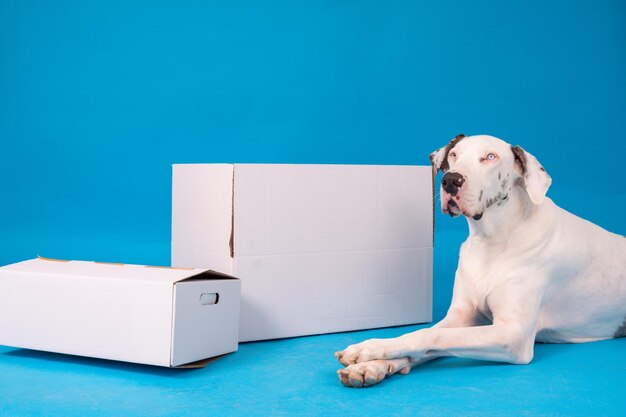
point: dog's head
(480, 171)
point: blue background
(97, 99)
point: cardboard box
(318, 248)
(133, 313)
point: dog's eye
(491, 156)
(453, 154)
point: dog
(529, 270)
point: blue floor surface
(297, 376)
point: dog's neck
(500, 221)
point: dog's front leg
(502, 341)
(509, 339)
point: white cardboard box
(133, 313)
(318, 248)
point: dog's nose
(451, 182)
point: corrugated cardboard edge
(116, 263)
(52, 259)
(220, 274)
(169, 267)
(199, 364)
(231, 241)
(434, 176)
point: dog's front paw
(366, 374)
(363, 352)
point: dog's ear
(439, 158)
(536, 179)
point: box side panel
(297, 209)
(116, 319)
(295, 295)
(202, 206)
(405, 207)
(188, 257)
(203, 326)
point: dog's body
(529, 270)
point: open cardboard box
(318, 248)
(151, 315)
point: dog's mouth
(452, 208)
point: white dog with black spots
(529, 270)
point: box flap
(185, 255)
(291, 209)
(205, 317)
(202, 207)
(89, 269)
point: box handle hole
(209, 298)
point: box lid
(90, 269)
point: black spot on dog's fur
(499, 175)
(444, 162)
(520, 157)
(498, 199)
(480, 196)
